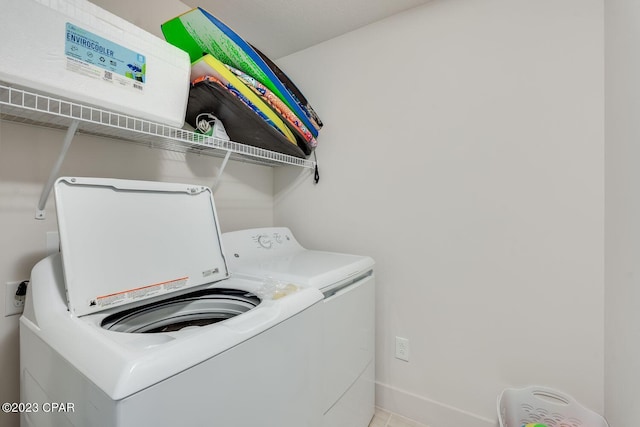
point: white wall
(244, 199)
(622, 226)
(146, 15)
(463, 150)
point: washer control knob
(265, 241)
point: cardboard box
(75, 50)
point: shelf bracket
(216, 183)
(71, 131)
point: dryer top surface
(274, 253)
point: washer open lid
(123, 241)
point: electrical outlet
(12, 304)
(402, 349)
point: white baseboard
(426, 411)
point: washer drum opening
(192, 310)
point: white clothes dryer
(348, 312)
(137, 323)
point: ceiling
(282, 27)
(276, 27)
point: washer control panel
(271, 240)
(258, 243)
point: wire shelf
(20, 105)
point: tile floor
(383, 418)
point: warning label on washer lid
(96, 57)
(136, 294)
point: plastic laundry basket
(518, 407)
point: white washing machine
(136, 322)
(348, 312)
